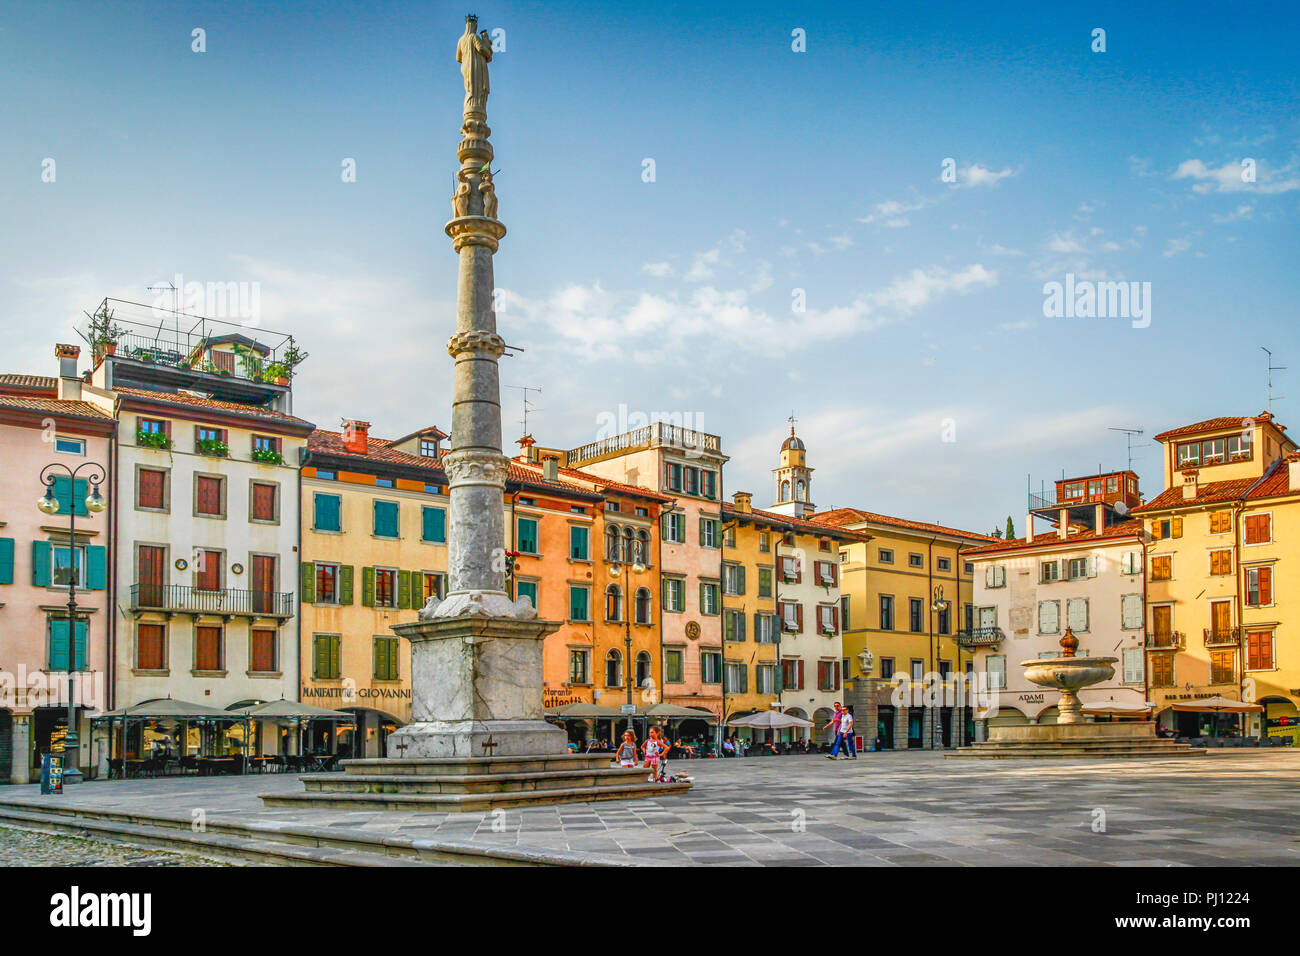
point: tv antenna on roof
(528, 407)
(1271, 369)
(1128, 436)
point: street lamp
(616, 569)
(938, 605)
(49, 504)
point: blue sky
(775, 171)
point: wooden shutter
(151, 494)
(1259, 650)
(96, 567)
(1049, 617)
(1131, 611)
(1257, 529)
(740, 579)
(1265, 586)
(58, 645)
(6, 560)
(368, 587)
(1219, 522)
(799, 674)
(1155, 530)
(320, 656)
(345, 584)
(263, 650)
(1077, 613)
(798, 616)
(209, 573)
(264, 502)
(149, 647)
(307, 582)
(404, 589)
(1176, 528)
(207, 649)
(41, 564)
(207, 495)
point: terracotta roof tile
(1217, 424)
(28, 383)
(845, 516)
(806, 525)
(192, 401)
(1126, 529)
(1275, 481)
(54, 406)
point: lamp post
(615, 570)
(938, 605)
(49, 504)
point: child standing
(653, 748)
(626, 756)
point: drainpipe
(936, 721)
(110, 596)
(305, 457)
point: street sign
(51, 773)
(629, 709)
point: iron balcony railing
(1166, 640)
(1222, 637)
(656, 433)
(184, 598)
(980, 637)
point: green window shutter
(386, 519)
(58, 645)
(368, 587)
(327, 512)
(96, 567)
(6, 560)
(376, 657)
(74, 495)
(41, 564)
(404, 589)
(740, 579)
(435, 525)
(79, 647)
(335, 645)
(307, 584)
(345, 584)
(320, 656)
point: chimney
(1063, 524)
(1190, 483)
(528, 448)
(1293, 463)
(69, 380)
(356, 437)
(551, 468)
(1029, 526)
(742, 500)
(1099, 517)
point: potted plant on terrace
(267, 456)
(103, 332)
(153, 439)
(212, 447)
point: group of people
(841, 727)
(653, 754)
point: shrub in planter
(213, 448)
(153, 439)
(267, 456)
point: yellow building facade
(1220, 619)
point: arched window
(785, 491)
(611, 542)
(643, 605)
(641, 551)
(803, 491)
(642, 668)
(627, 545)
(613, 669)
(613, 603)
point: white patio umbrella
(773, 719)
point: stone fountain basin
(1069, 673)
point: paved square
(887, 809)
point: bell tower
(793, 478)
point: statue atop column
(473, 52)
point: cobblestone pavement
(33, 848)
(884, 809)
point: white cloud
(1238, 214)
(1176, 246)
(977, 175)
(1228, 177)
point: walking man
(846, 733)
(833, 725)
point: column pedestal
(20, 770)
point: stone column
(900, 727)
(21, 735)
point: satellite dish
(1121, 508)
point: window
(886, 668)
(327, 475)
(433, 525)
(1167, 528)
(386, 659)
(150, 647)
(791, 673)
(325, 656)
(733, 625)
(613, 603)
(1162, 670)
(428, 448)
(1258, 529)
(674, 528)
(827, 573)
(673, 476)
(643, 668)
(918, 670)
(943, 564)
(266, 444)
(765, 582)
(673, 666)
(944, 620)
(791, 569)
(1259, 650)
(968, 567)
(579, 603)
(1130, 611)
(1221, 562)
(69, 565)
(643, 605)
(1223, 667)
(209, 652)
(265, 503)
(1133, 665)
(1077, 615)
(733, 579)
(886, 612)
(1220, 522)
(765, 679)
(151, 426)
(915, 622)
(209, 496)
(827, 619)
(1131, 562)
(579, 665)
(708, 598)
(885, 556)
(385, 587)
(674, 594)
(764, 542)
(1078, 568)
(828, 675)
(151, 489)
(327, 584)
(916, 560)
(844, 612)
(708, 533)
(764, 628)
(791, 616)
(996, 667)
(691, 481)
(1049, 617)
(1239, 447)
(261, 651)
(387, 515)
(326, 512)
(710, 667)
(1162, 567)
(708, 484)
(737, 678)
(1049, 571)
(1259, 587)
(995, 576)
(70, 446)
(579, 543)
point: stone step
(472, 782)
(388, 766)
(1082, 744)
(471, 802)
(1053, 750)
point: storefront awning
(292, 709)
(1218, 705)
(585, 711)
(169, 707)
(673, 710)
(770, 718)
(1116, 708)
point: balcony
(980, 637)
(225, 602)
(1166, 640)
(649, 436)
(1222, 637)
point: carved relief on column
(477, 340)
(476, 468)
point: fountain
(1072, 736)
